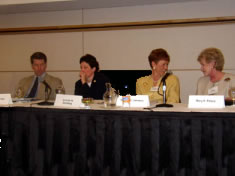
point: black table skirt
(60, 142)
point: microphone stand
(47, 95)
(164, 104)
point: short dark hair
(38, 55)
(91, 60)
(158, 54)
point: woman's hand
(83, 77)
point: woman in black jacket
(92, 82)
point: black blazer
(97, 88)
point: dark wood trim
(74, 71)
(122, 25)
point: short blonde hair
(212, 54)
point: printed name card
(206, 101)
(135, 101)
(140, 101)
(119, 101)
(68, 100)
(5, 99)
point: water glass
(60, 90)
(232, 91)
(19, 92)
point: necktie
(34, 89)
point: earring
(154, 68)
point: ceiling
(25, 6)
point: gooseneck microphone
(47, 94)
(46, 84)
(164, 86)
(165, 76)
(47, 90)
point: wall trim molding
(76, 71)
(122, 25)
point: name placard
(140, 101)
(206, 101)
(5, 99)
(119, 101)
(68, 100)
(135, 101)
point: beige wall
(117, 49)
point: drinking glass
(19, 92)
(232, 91)
(87, 102)
(60, 90)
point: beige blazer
(26, 83)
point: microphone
(47, 94)
(46, 85)
(168, 73)
(47, 90)
(163, 81)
